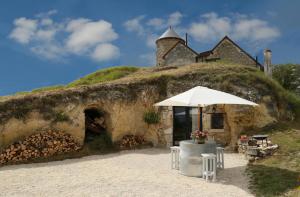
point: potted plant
(199, 137)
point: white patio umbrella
(202, 96)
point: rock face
(124, 103)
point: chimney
(186, 39)
(267, 62)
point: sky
(53, 42)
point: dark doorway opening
(94, 124)
(182, 124)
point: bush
(288, 75)
(61, 117)
(151, 117)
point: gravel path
(129, 173)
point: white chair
(175, 150)
(209, 166)
(220, 157)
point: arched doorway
(95, 124)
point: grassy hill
(221, 75)
(103, 75)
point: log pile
(132, 141)
(39, 145)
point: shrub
(61, 117)
(151, 117)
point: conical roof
(170, 33)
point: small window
(217, 121)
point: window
(217, 121)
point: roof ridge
(175, 46)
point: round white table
(190, 156)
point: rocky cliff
(123, 103)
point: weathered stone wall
(227, 51)
(124, 105)
(180, 55)
(162, 47)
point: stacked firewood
(43, 144)
(132, 141)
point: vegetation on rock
(61, 117)
(104, 75)
(151, 117)
(288, 75)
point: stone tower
(164, 43)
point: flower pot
(200, 141)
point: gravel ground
(128, 173)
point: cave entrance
(94, 124)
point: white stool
(209, 166)
(175, 157)
(220, 157)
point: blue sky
(52, 42)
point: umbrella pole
(200, 120)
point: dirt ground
(128, 173)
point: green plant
(288, 75)
(60, 117)
(151, 117)
(104, 75)
(22, 110)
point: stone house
(172, 50)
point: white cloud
(240, 27)
(254, 29)
(46, 21)
(134, 25)
(212, 28)
(56, 40)
(86, 34)
(50, 51)
(175, 19)
(44, 34)
(24, 30)
(157, 23)
(47, 14)
(105, 51)
(146, 28)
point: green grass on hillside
(104, 75)
(279, 174)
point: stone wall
(227, 51)
(124, 105)
(180, 55)
(162, 47)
